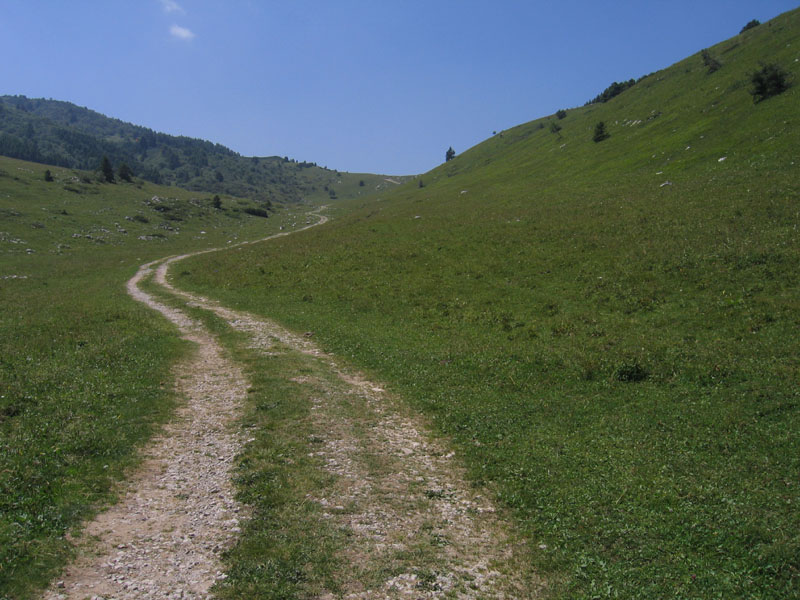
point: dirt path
(398, 493)
(164, 537)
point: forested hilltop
(63, 134)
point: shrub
(615, 89)
(561, 113)
(216, 202)
(768, 81)
(600, 132)
(555, 127)
(750, 25)
(256, 212)
(631, 372)
(710, 62)
(47, 175)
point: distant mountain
(64, 134)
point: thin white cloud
(170, 6)
(181, 32)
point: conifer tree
(124, 172)
(600, 132)
(107, 170)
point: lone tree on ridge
(750, 25)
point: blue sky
(357, 85)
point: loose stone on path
(177, 513)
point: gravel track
(177, 513)
(417, 528)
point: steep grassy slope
(70, 136)
(84, 370)
(608, 331)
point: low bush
(600, 132)
(768, 81)
(750, 25)
(256, 212)
(711, 63)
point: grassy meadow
(84, 370)
(607, 331)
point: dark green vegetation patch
(608, 331)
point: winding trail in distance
(395, 488)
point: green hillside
(607, 330)
(84, 369)
(60, 133)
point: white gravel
(177, 513)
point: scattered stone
(154, 544)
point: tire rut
(416, 528)
(177, 513)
